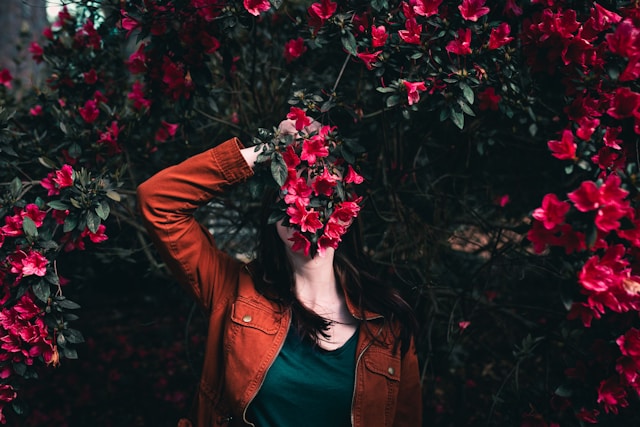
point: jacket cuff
(229, 161)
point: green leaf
(29, 227)
(70, 223)
(102, 210)
(385, 89)
(15, 187)
(58, 205)
(563, 391)
(378, 5)
(69, 353)
(73, 336)
(113, 196)
(42, 290)
(93, 221)
(275, 216)
(349, 43)
(278, 169)
(68, 304)
(457, 117)
(467, 92)
(465, 108)
(393, 100)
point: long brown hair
(274, 278)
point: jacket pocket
(381, 384)
(251, 315)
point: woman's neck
(314, 279)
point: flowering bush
(498, 140)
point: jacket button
(247, 318)
(391, 370)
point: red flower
(411, 33)
(625, 103)
(587, 197)
(352, 176)
(34, 264)
(36, 110)
(323, 10)
(300, 117)
(426, 7)
(612, 395)
(255, 7)
(588, 416)
(137, 96)
(5, 78)
(540, 237)
(178, 82)
(64, 177)
(323, 184)
(300, 243)
(512, 9)
(564, 149)
(290, 158)
(325, 242)
(369, 58)
(625, 41)
(471, 10)
(90, 77)
(90, 111)
(98, 236)
(413, 96)
(489, 100)
(552, 212)
(587, 126)
(209, 42)
(629, 343)
(294, 49)
(500, 36)
(610, 137)
(378, 35)
(36, 52)
(347, 210)
(462, 43)
(166, 131)
(313, 148)
(297, 190)
(308, 220)
(137, 60)
(128, 23)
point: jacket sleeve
(409, 407)
(167, 202)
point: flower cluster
(316, 182)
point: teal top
(307, 386)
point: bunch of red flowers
(316, 181)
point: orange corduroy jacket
(247, 330)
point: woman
(293, 340)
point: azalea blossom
(308, 220)
(352, 176)
(500, 36)
(565, 148)
(369, 58)
(255, 7)
(90, 111)
(165, 131)
(300, 117)
(294, 49)
(553, 211)
(297, 190)
(426, 8)
(6, 78)
(411, 33)
(625, 103)
(471, 10)
(34, 264)
(300, 243)
(489, 99)
(461, 45)
(324, 183)
(413, 91)
(612, 395)
(313, 148)
(37, 52)
(378, 35)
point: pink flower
(629, 343)
(610, 137)
(165, 131)
(426, 7)
(90, 77)
(300, 243)
(511, 8)
(464, 324)
(625, 41)
(137, 60)
(612, 395)
(369, 58)
(36, 110)
(137, 96)
(308, 220)
(500, 36)
(413, 96)
(128, 23)
(411, 33)
(293, 49)
(540, 237)
(462, 43)
(625, 103)
(347, 210)
(300, 117)
(255, 7)
(565, 148)
(323, 10)
(352, 176)
(378, 35)
(64, 177)
(36, 52)
(325, 242)
(334, 228)
(552, 212)
(34, 264)
(5, 78)
(297, 191)
(290, 157)
(323, 184)
(98, 236)
(90, 111)
(489, 100)
(587, 126)
(33, 212)
(471, 10)
(313, 148)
